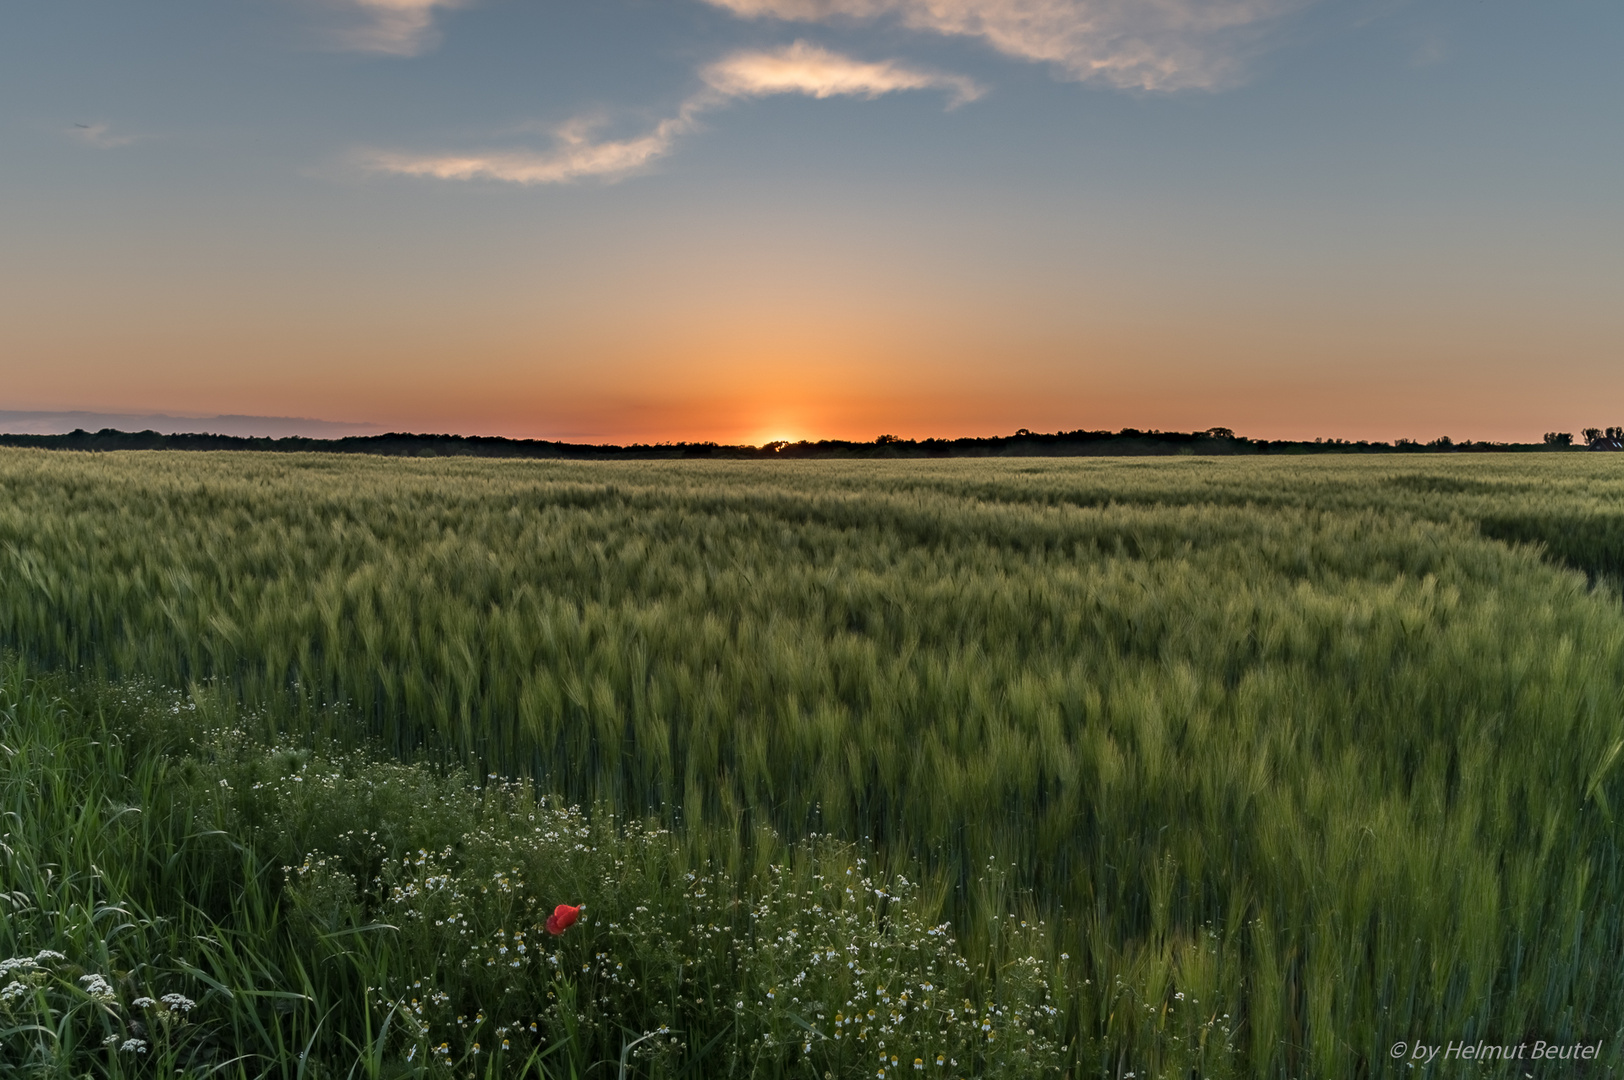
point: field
(1189, 767)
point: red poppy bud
(562, 918)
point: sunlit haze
(751, 220)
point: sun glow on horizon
(777, 432)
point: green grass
(1295, 759)
(327, 912)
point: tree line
(1022, 443)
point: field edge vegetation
(185, 897)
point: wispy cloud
(100, 136)
(803, 68)
(1130, 44)
(392, 27)
(576, 153)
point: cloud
(1130, 44)
(803, 68)
(800, 68)
(100, 136)
(393, 27)
(575, 156)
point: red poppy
(562, 918)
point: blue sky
(742, 219)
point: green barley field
(1176, 768)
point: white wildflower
(97, 987)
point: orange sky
(615, 222)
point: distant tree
(1615, 433)
(1592, 435)
(1442, 442)
(887, 440)
(1219, 433)
(1559, 438)
(1019, 432)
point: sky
(744, 220)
